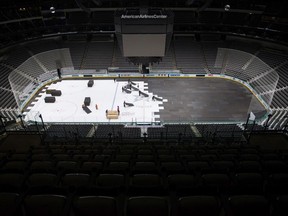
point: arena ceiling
(22, 20)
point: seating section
(278, 99)
(7, 99)
(168, 61)
(210, 50)
(119, 61)
(189, 56)
(152, 178)
(17, 56)
(272, 58)
(167, 132)
(254, 127)
(69, 131)
(42, 46)
(98, 55)
(103, 131)
(77, 49)
(52, 60)
(246, 46)
(282, 72)
(219, 130)
(173, 131)
(279, 119)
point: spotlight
(227, 7)
(52, 9)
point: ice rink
(107, 94)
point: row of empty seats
(67, 131)
(53, 204)
(180, 132)
(219, 130)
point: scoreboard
(144, 33)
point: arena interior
(167, 108)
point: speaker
(56, 93)
(87, 101)
(49, 99)
(90, 83)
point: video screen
(144, 45)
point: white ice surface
(107, 94)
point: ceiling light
(227, 7)
(52, 9)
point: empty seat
(278, 184)
(248, 183)
(76, 180)
(146, 184)
(80, 157)
(95, 205)
(222, 166)
(208, 157)
(110, 152)
(167, 158)
(110, 183)
(198, 166)
(215, 183)
(145, 158)
(275, 166)
(57, 150)
(61, 157)
(15, 166)
(101, 158)
(10, 204)
(45, 205)
(125, 151)
(43, 183)
(248, 150)
(249, 166)
(228, 157)
(11, 182)
(42, 179)
(280, 207)
(182, 184)
(91, 166)
(233, 151)
(117, 167)
(199, 206)
(248, 205)
(249, 157)
(173, 168)
(38, 150)
(187, 158)
(39, 157)
(143, 206)
(3, 156)
(144, 152)
(163, 151)
(42, 166)
(18, 157)
(269, 156)
(145, 167)
(110, 180)
(122, 158)
(67, 166)
(72, 152)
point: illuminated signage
(144, 16)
